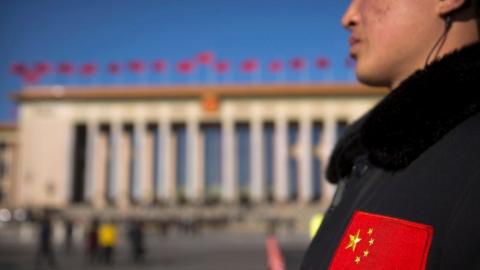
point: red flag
(65, 68)
(31, 77)
(206, 58)
(275, 66)
(160, 66)
(43, 68)
(249, 65)
(222, 67)
(379, 242)
(297, 63)
(136, 66)
(323, 63)
(114, 68)
(185, 66)
(89, 69)
(18, 69)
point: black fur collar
(413, 116)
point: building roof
(8, 127)
(145, 92)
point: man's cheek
(375, 11)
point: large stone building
(129, 147)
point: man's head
(392, 38)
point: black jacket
(416, 157)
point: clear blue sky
(121, 30)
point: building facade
(8, 164)
(124, 147)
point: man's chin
(372, 79)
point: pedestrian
(45, 250)
(91, 242)
(107, 240)
(136, 237)
(68, 224)
(408, 171)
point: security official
(408, 171)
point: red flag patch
(379, 242)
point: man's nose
(350, 17)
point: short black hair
(475, 3)
(477, 8)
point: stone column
(113, 152)
(326, 147)
(257, 161)
(100, 179)
(149, 187)
(229, 183)
(158, 170)
(143, 162)
(280, 165)
(91, 162)
(305, 159)
(122, 164)
(201, 167)
(195, 183)
(166, 145)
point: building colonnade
(140, 162)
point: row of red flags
(34, 72)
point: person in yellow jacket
(315, 223)
(107, 240)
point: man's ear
(447, 7)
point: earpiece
(448, 25)
(448, 21)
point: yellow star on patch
(371, 242)
(354, 239)
(370, 231)
(365, 253)
(357, 260)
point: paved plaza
(210, 250)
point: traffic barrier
(274, 254)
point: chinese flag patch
(378, 242)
